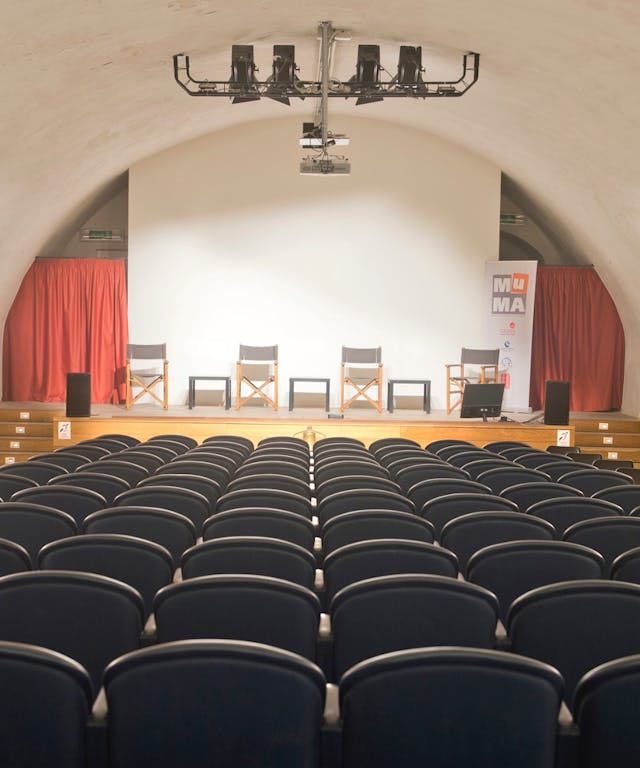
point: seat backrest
(258, 353)
(77, 502)
(626, 567)
(14, 558)
(36, 681)
(391, 613)
(589, 481)
(576, 625)
(259, 609)
(479, 356)
(261, 521)
(38, 471)
(92, 619)
(610, 536)
(409, 476)
(276, 467)
(126, 469)
(382, 557)
(503, 477)
(440, 510)
(70, 461)
(354, 482)
(475, 454)
(511, 568)
(186, 466)
(186, 440)
(187, 502)
(108, 486)
(421, 707)
(446, 444)
(232, 440)
(370, 524)
(425, 490)
(361, 356)
(10, 484)
(535, 459)
(224, 458)
(392, 442)
(34, 525)
(526, 494)
(468, 533)
(292, 442)
(625, 496)
(142, 564)
(498, 446)
(565, 511)
(268, 480)
(266, 497)
(209, 488)
(147, 351)
(350, 501)
(150, 461)
(185, 712)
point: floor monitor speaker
(556, 402)
(78, 394)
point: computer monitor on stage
(481, 401)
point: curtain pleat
(68, 316)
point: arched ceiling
(88, 90)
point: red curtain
(69, 315)
(577, 337)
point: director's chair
(362, 370)
(147, 378)
(257, 368)
(459, 374)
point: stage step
(615, 438)
(25, 433)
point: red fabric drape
(69, 315)
(578, 337)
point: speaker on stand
(78, 394)
(556, 402)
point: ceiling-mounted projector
(324, 166)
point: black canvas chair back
(576, 625)
(527, 494)
(202, 485)
(409, 476)
(259, 609)
(626, 567)
(65, 459)
(10, 484)
(383, 557)
(45, 702)
(161, 451)
(367, 524)
(173, 531)
(256, 555)
(14, 558)
(188, 442)
(503, 477)
(585, 457)
(34, 525)
(333, 455)
(38, 471)
(590, 481)
(512, 568)
(189, 503)
(108, 486)
(469, 533)
(77, 502)
(350, 501)
(215, 472)
(257, 370)
(142, 374)
(266, 497)
(186, 714)
(426, 490)
(275, 481)
(353, 483)
(233, 440)
(127, 469)
(440, 510)
(417, 459)
(141, 564)
(515, 453)
(261, 521)
(603, 705)
(610, 536)
(421, 707)
(361, 377)
(625, 496)
(613, 463)
(564, 512)
(392, 613)
(562, 450)
(632, 473)
(92, 619)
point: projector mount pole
(326, 32)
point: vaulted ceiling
(87, 90)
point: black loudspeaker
(556, 402)
(78, 394)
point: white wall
(229, 245)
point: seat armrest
(96, 733)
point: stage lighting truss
(366, 86)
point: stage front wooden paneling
(69, 431)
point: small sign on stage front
(563, 437)
(64, 430)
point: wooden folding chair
(458, 374)
(257, 368)
(362, 370)
(147, 378)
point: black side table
(426, 392)
(227, 388)
(326, 383)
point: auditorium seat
(332, 469)
(265, 497)
(556, 469)
(279, 453)
(171, 530)
(589, 481)
(38, 471)
(391, 453)
(497, 446)
(444, 447)
(106, 485)
(261, 521)
(626, 567)
(367, 524)
(216, 454)
(475, 467)
(409, 476)
(518, 452)
(625, 496)
(537, 459)
(256, 555)
(275, 467)
(564, 512)
(187, 502)
(324, 442)
(354, 482)
(128, 440)
(417, 459)
(610, 536)
(77, 502)
(109, 444)
(512, 568)
(202, 485)
(468, 533)
(126, 469)
(193, 467)
(92, 619)
(161, 451)
(440, 510)
(500, 478)
(150, 461)
(296, 442)
(461, 458)
(178, 446)
(576, 625)
(335, 455)
(426, 490)
(182, 704)
(450, 707)
(392, 613)
(11, 484)
(231, 440)
(259, 609)
(349, 501)
(89, 452)
(526, 494)
(45, 702)
(188, 442)
(14, 558)
(273, 481)
(142, 564)
(66, 459)
(393, 442)
(34, 525)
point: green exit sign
(516, 219)
(101, 234)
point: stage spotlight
(367, 78)
(410, 66)
(243, 74)
(283, 74)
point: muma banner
(511, 287)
